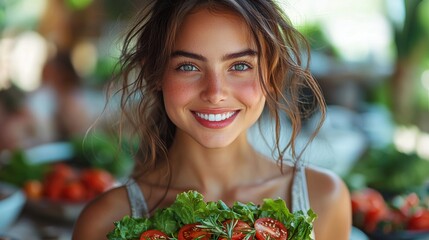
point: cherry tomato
(74, 191)
(56, 179)
(370, 203)
(409, 204)
(239, 231)
(395, 219)
(98, 180)
(33, 189)
(63, 171)
(191, 231)
(419, 221)
(52, 188)
(153, 235)
(268, 228)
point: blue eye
(187, 67)
(240, 67)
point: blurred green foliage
(317, 39)
(2, 16)
(105, 69)
(96, 150)
(424, 15)
(78, 4)
(101, 150)
(389, 171)
(18, 170)
(415, 27)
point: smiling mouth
(215, 117)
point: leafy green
(165, 219)
(275, 209)
(388, 170)
(102, 150)
(129, 228)
(298, 224)
(246, 212)
(19, 169)
(190, 207)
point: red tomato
(74, 192)
(33, 189)
(191, 231)
(98, 180)
(268, 228)
(396, 219)
(63, 171)
(239, 231)
(410, 203)
(371, 204)
(419, 221)
(53, 187)
(153, 235)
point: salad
(190, 217)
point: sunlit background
(370, 57)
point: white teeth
(215, 117)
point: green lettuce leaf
(246, 212)
(300, 225)
(189, 207)
(129, 228)
(165, 220)
(276, 209)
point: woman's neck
(217, 171)
(233, 173)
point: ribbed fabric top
(137, 201)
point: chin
(217, 143)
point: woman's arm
(97, 218)
(330, 199)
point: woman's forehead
(204, 28)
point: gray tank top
(137, 201)
(300, 199)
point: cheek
(251, 92)
(175, 93)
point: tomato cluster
(65, 183)
(264, 228)
(369, 208)
(372, 213)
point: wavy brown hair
(146, 51)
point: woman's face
(211, 87)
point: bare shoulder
(325, 184)
(330, 199)
(97, 218)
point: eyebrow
(247, 52)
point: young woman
(199, 76)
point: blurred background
(371, 58)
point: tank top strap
(300, 198)
(136, 199)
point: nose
(214, 88)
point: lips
(215, 120)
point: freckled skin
(215, 85)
